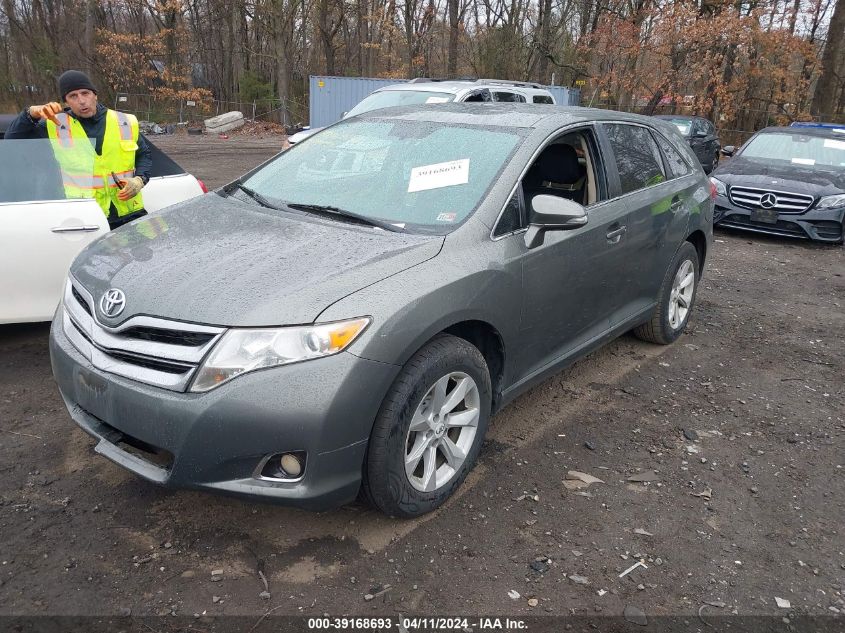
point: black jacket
(24, 127)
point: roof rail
(509, 82)
(819, 124)
(419, 80)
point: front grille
(151, 350)
(172, 337)
(785, 202)
(80, 299)
(779, 228)
(151, 363)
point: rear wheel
(429, 430)
(677, 298)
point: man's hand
(129, 188)
(46, 111)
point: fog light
(282, 466)
(291, 465)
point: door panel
(38, 242)
(658, 219)
(571, 282)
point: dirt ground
(738, 429)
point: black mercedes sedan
(785, 181)
(700, 134)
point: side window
(675, 162)
(638, 159)
(478, 97)
(508, 97)
(511, 219)
(543, 99)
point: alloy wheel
(680, 299)
(442, 431)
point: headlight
(830, 202)
(721, 189)
(243, 350)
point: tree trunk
(824, 97)
(326, 35)
(452, 70)
(90, 15)
(545, 39)
(281, 57)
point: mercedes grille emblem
(112, 302)
(769, 201)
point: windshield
(416, 175)
(390, 98)
(683, 125)
(799, 149)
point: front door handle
(614, 236)
(677, 203)
(86, 228)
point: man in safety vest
(101, 153)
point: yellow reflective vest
(85, 174)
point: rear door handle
(86, 228)
(614, 236)
(677, 203)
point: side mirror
(551, 213)
(343, 114)
(728, 150)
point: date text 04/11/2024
(416, 624)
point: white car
(424, 90)
(42, 232)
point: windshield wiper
(264, 202)
(351, 215)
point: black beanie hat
(74, 80)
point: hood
(219, 261)
(814, 181)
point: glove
(130, 188)
(46, 111)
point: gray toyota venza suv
(348, 316)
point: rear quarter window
(675, 163)
(508, 97)
(638, 160)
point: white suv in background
(423, 90)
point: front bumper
(216, 440)
(821, 226)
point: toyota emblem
(769, 201)
(112, 302)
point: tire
(432, 375)
(669, 318)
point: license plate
(768, 216)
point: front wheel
(677, 297)
(429, 430)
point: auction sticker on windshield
(454, 172)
